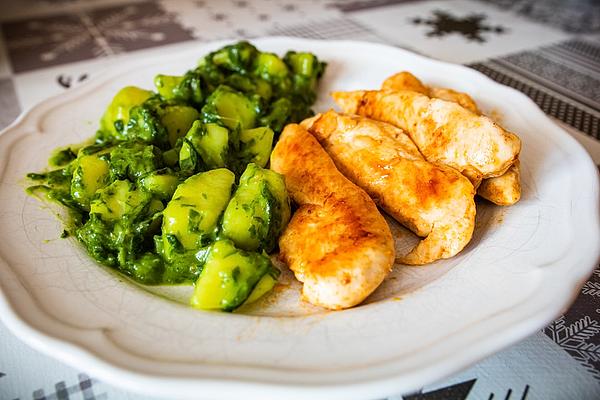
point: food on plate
(258, 211)
(433, 200)
(337, 243)
(173, 188)
(406, 81)
(230, 276)
(457, 97)
(444, 131)
(502, 190)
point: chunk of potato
(256, 145)
(258, 211)
(90, 174)
(210, 142)
(122, 199)
(161, 184)
(118, 109)
(167, 85)
(190, 219)
(228, 276)
(178, 120)
(230, 108)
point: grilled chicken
(337, 243)
(444, 132)
(406, 81)
(456, 97)
(503, 190)
(434, 201)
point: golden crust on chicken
(406, 81)
(337, 242)
(444, 132)
(503, 190)
(457, 97)
(434, 201)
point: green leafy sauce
(173, 188)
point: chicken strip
(503, 190)
(456, 97)
(434, 201)
(444, 132)
(406, 81)
(337, 243)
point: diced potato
(228, 276)
(263, 89)
(189, 160)
(264, 286)
(213, 146)
(230, 108)
(160, 184)
(190, 219)
(90, 174)
(270, 67)
(301, 63)
(209, 141)
(120, 199)
(118, 109)
(178, 120)
(166, 85)
(256, 145)
(236, 57)
(170, 157)
(258, 211)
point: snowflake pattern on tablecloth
(580, 336)
(574, 339)
(578, 16)
(48, 41)
(592, 288)
(471, 26)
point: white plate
(523, 267)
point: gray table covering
(548, 50)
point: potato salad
(173, 188)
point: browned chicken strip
(434, 201)
(337, 243)
(444, 132)
(406, 81)
(503, 190)
(457, 97)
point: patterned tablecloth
(548, 50)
